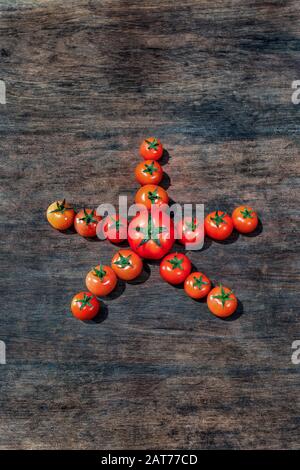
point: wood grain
(86, 81)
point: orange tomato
(175, 267)
(151, 194)
(222, 302)
(85, 306)
(127, 265)
(101, 280)
(60, 215)
(189, 230)
(151, 149)
(151, 234)
(115, 228)
(148, 172)
(218, 225)
(86, 222)
(197, 285)
(244, 219)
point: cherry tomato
(151, 149)
(189, 230)
(101, 280)
(175, 268)
(86, 222)
(218, 225)
(148, 172)
(221, 301)
(197, 285)
(60, 215)
(151, 234)
(115, 228)
(127, 265)
(85, 306)
(244, 219)
(150, 195)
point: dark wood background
(86, 81)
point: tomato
(60, 215)
(189, 230)
(85, 306)
(244, 219)
(151, 234)
(197, 285)
(150, 195)
(115, 228)
(127, 265)
(175, 268)
(86, 222)
(148, 172)
(218, 225)
(101, 280)
(151, 149)
(222, 302)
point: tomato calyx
(218, 219)
(61, 207)
(247, 214)
(101, 273)
(152, 145)
(223, 296)
(85, 301)
(191, 225)
(116, 224)
(153, 196)
(88, 218)
(123, 261)
(198, 282)
(149, 168)
(151, 232)
(176, 263)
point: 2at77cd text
(150, 459)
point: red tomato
(127, 265)
(150, 195)
(85, 306)
(197, 285)
(189, 230)
(115, 228)
(244, 219)
(175, 268)
(151, 234)
(101, 280)
(86, 222)
(218, 225)
(222, 302)
(148, 172)
(60, 215)
(151, 149)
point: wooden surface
(86, 81)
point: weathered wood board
(86, 81)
